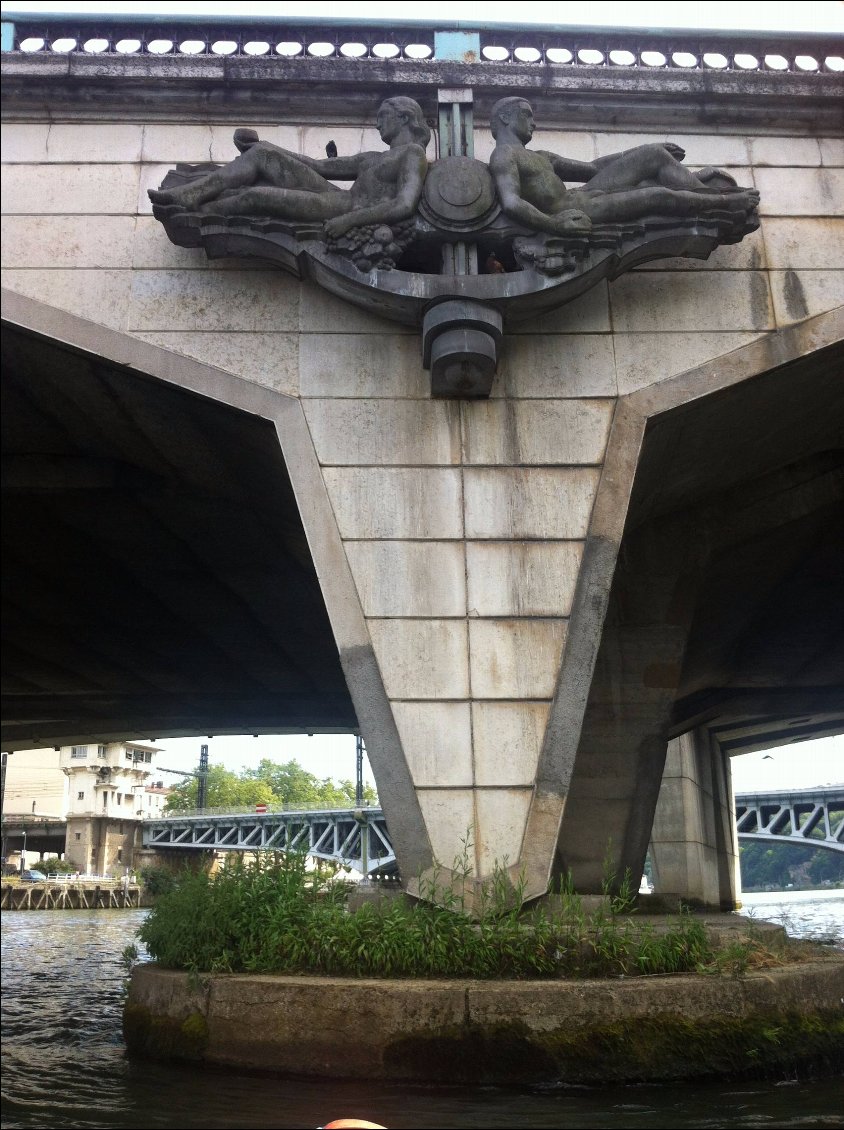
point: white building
(104, 791)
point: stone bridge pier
(234, 506)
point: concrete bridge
(232, 505)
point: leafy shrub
(55, 866)
(158, 880)
(274, 916)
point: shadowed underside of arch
(726, 604)
(157, 576)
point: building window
(78, 752)
(120, 798)
(78, 835)
(129, 755)
(80, 796)
(148, 756)
(120, 855)
(101, 752)
(120, 828)
(105, 800)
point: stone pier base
(624, 1030)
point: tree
(286, 784)
(225, 790)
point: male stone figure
(266, 180)
(646, 181)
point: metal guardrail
(620, 49)
(261, 809)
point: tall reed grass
(272, 915)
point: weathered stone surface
(323, 313)
(268, 359)
(577, 144)
(409, 578)
(532, 502)
(522, 578)
(384, 431)
(515, 658)
(437, 742)
(546, 431)
(801, 192)
(450, 821)
(169, 141)
(69, 189)
(701, 148)
(67, 241)
(589, 314)
(555, 365)
(422, 658)
(788, 152)
(222, 141)
(642, 359)
(499, 827)
(71, 143)
(361, 365)
(507, 739)
(832, 151)
(801, 294)
(100, 296)
(714, 300)
(804, 242)
(213, 300)
(396, 502)
(655, 1028)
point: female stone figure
(266, 180)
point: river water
(64, 1063)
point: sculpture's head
(409, 114)
(514, 113)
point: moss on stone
(626, 1051)
(164, 1037)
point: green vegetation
(272, 783)
(52, 865)
(766, 867)
(274, 916)
(157, 880)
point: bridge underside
(726, 610)
(157, 579)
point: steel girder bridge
(811, 816)
(356, 838)
(359, 838)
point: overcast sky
(804, 765)
(820, 15)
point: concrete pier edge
(638, 1029)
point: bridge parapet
(357, 40)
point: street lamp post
(23, 853)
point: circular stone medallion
(458, 195)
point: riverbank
(638, 1029)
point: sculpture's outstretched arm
(568, 169)
(505, 172)
(335, 168)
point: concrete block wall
(464, 523)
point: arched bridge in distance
(360, 838)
